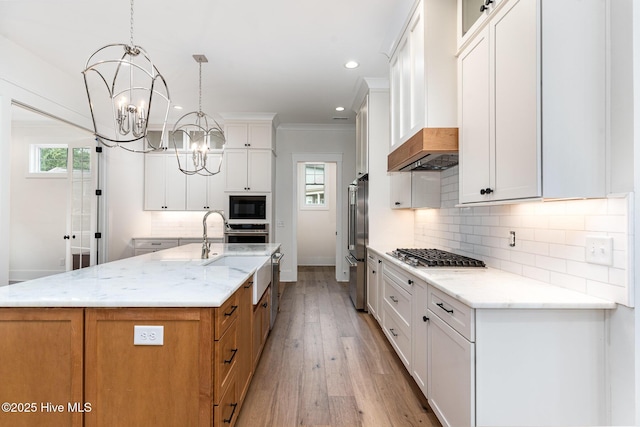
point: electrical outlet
(599, 250)
(148, 335)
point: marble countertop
(175, 277)
(492, 288)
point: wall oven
(246, 207)
(247, 233)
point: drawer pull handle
(228, 421)
(425, 319)
(264, 305)
(233, 309)
(156, 244)
(409, 281)
(393, 332)
(393, 298)
(233, 355)
(441, 305)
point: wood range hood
(429, 149)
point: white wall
(388, 228)
(317, 227)
(306, 141)
(27, 79)
(38, 207)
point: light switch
(148, 335)
(599, 250)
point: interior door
(82, 207)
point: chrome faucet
(205, 242)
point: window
(48, 159)
(314, 188)
(52, 159)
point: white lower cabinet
(396, 311)
(420, 344)
(451, 374)
(499, 366)
(374, 274)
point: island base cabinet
(41, 367)
(225, 413)
(159, 385)
(540, 367)
(261, 324)
(245, 358)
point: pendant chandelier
(126, 93)
(203, 135)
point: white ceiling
(280, 56)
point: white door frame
(326, 158)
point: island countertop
(175, 277)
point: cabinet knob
(397, 203)
(487, 190)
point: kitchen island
(161, 339)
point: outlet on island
(148, 335)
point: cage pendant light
(126, 94)
(203, 135)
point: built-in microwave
(247, 207)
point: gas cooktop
(434, 258)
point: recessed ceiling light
(177, 107)
(339, 108)
(351, 64)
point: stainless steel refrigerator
(358, 233)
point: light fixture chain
(200, 88)
(131, 39)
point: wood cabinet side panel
(40, 362)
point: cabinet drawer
(155, 244)
(225, 315)
(225, 413)
(398, 333)
(459, 316)
(398, 299)
(401, 278)
(226, 350)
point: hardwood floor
(326, 364)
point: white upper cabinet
(423, 72)
(206, 192)
(362, 139)
(248, 155)
(417, 189)
(164, 184)
(518, 111)
(248, 170)
(472, 14)
(249, 135)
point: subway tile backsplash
(184, 224)
(550, 238)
